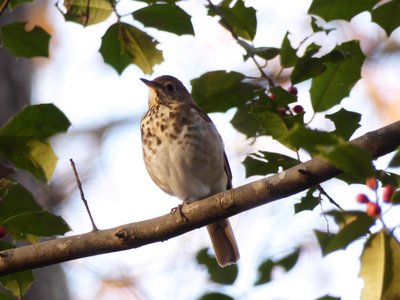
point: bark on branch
(200, 213)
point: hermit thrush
(184, 154)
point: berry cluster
(285, 110)
(3, 231)
(373, 207)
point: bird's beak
(150, 84)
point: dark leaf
(395, 161)
(387, 16)
(358, 227)
(335, 83)
(282, 96)
(17, 283)
(244, 121)
(40, 223)
(4, 296)
(29, 154)
(328, 298)
(215, 296)
(87, 12)
(15, 200)
(380, 265)
(323, 239)
(25, 43)
(264, 272)
(219, 91)
(37, 121)
(354, 161)
(289, 261)
(307, 202)
(241, 19)
(15, 3)
(288, 53)
(264, 163)
(264, 52)
(226, 275)
(5, 246)
(308, 139)
(165, 16)
(346, 122)
(339, 9)
(124, 44)
(271, 123)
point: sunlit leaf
(124, 44)
(387, 16)
(87, 12)
(219, 91)
(380, 265)
(339, 9)
(37, 121)
(335, 83)
(167, 17)
(25, 43)
(226, 275)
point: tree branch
(199, 213)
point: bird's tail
(224, 243)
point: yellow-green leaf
(87, 12)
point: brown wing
(226, 162)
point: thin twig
(78, 181)
(323, 192)
(4, 6)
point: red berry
(387, 193)
(3, 231)
(371, 183)
(298, 109)
(282, 111)
(362, 198)
(293, 90)
(271, 97)
(373, 209)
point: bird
(184, 155)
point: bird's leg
(179, 208)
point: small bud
(293, 90)
(387, 193)
(373, 209)
(362, 198)
(298, 109)
(3, 231)
(372, 183)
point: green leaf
(282, 96)
(264, 163)
(215, 296)
(241, 19)
(271, 123)
(288, 53)
(339, 9)
(264, 272)
(244, 121)
(15, 200)
(37, 121)
(167, 17)
(354, 161)
(308, 139)
(5, 246)
(395, 161)
(380, 265)
(290, 260)
(87, 12)
(14, 3)
(323, 239)
(346, 122)
(358, 227)
(4, 296)
(219, 91)
(307, 202)
(226, 275)
(266, 53)
(40, 223)
(24, 43)
(387, 16)
(335, 83)
(18, 283)
(29, 154)
(328, 298)
(123, 44)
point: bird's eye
(171, 87)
